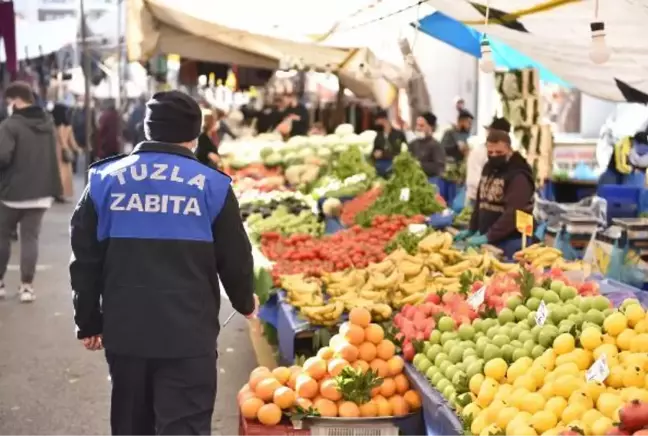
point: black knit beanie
(173, 117)
(429, 118)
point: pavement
(49, 384)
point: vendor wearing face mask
(387, 143)
(506, 186)
(425, 148)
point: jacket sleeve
(516, 197)
(234, 256)
(86, 267)
(7, 145)
(434, 164)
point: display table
(439, 418)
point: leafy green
(406, 239)
(356, 385)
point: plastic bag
(563, 243)
(459, 201)
(553, 213)
(621, 268)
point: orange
(349, 410)
(260, 370)
(246, 396)
(374, 333)
(367, 351)
(335, 366)
(304, 403)
(379, 366)
(369, 409)
(315, 367)
(325, 353)
(295, 368)
(284, 397)
(269, 414)
(306, 386)
(375, 392)
(354, 334)
(402, 383)
(255, 378)
(361, 364)
(336, 341)
(347, 352)
(266, 388)
(384, 406)
(292, 382)
(412, 399)
(329, 390)
(398, 405)
(243, 390)
(385, 349)
(388, 387)
(360, 316)
(250, 407)
(326, 408)
(282, 374)
(395, 365)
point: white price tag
(477, 298)
(542, 314)
(417, 229)
(599, 370)
(405, 194)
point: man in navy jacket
(151, 235)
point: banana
(435, 261)
(413, 299)
(372, 295)
(447, 241)
(431, 243)
(384, 267)
(397, 255)
(451, 271)
(409, 268)
(486, 261)
(410, 288)
(380, 312)
(387, 282)
(442, 280)
(451, 255)
(546, 259)
(503, 267)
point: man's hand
(93, 343)
(378, 154)
(254, 313)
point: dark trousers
(162, 396)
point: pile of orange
(359, 344)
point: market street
(49, 384)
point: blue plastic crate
(622, 201)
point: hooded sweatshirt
(501, 192)
(28, 161)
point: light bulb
(599, 51)
(486, 63)
(284, 63)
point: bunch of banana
(499, 266)
(439, 282)
(434, 242)
(539, 256)
(380, 312)
(340, 283)
(414, 289)
(576, 265)
(302, 291)
(326, 315)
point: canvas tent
(34, 39)
(556, 35)
(188, 29)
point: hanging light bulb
(486, 64)
(284, 63)
(599, 51)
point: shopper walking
(29, 181)
(150, 236)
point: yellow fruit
(478, 424)
(582, 358)
(491, 429)
(615, 379)
(527, 382)
(608, 403)
(543, 420)
(610, 351)
(591, 338)
(569, 368)
(522, 419)
(471, 409)
(554, 431)
(641, 326)
(634, 393)
(494, 409)
(475, 383)
(594, 389)
(565, 385)
(639, 343)
(517, 369)
(615, 323)
(525, 430)
(548, 359)
(634, 313)
(572, 412)
(564, 343)
(633, 376)
(538, 372)
(495, 369)
(487, 392)
(547, 391)
(533, 403)
(624, 339)
(556, 405)
(601, 425)
(580, 396)
(504, 392)
(505, 416)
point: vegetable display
(407, 192)
(293, 205)
(358, 204)
(284, 222)
(349, 187)
(352, 162)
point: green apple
(433, 352)
(466, 332)
(520, 353)
(567, 293)
(557, 285)
(595, 317)
(435, 337)
(538, 292)
(505, 316)
(601, 303)
(551, 297)
(533, 303)
(521, 312)
(513, 302)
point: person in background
(387, 144)
(455, 139)
(250, 112)
(151, 235)
(317, 129)
(297, 114)
(478, 157)
(29, 181)
(206, 152)
(221, 128)
(425, 148)
(109, 132)
(506, 186)
(66, 149)
(136, 117)
(269, 116)
(460, 104)
(78, 124)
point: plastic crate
(348, 429)
(284, 428)
(622, 201)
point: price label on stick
(541, 314)
(599, 370)
(405, 194)
(477, 298)
(524, 222)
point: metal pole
(86, 78)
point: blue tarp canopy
(466, 39)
